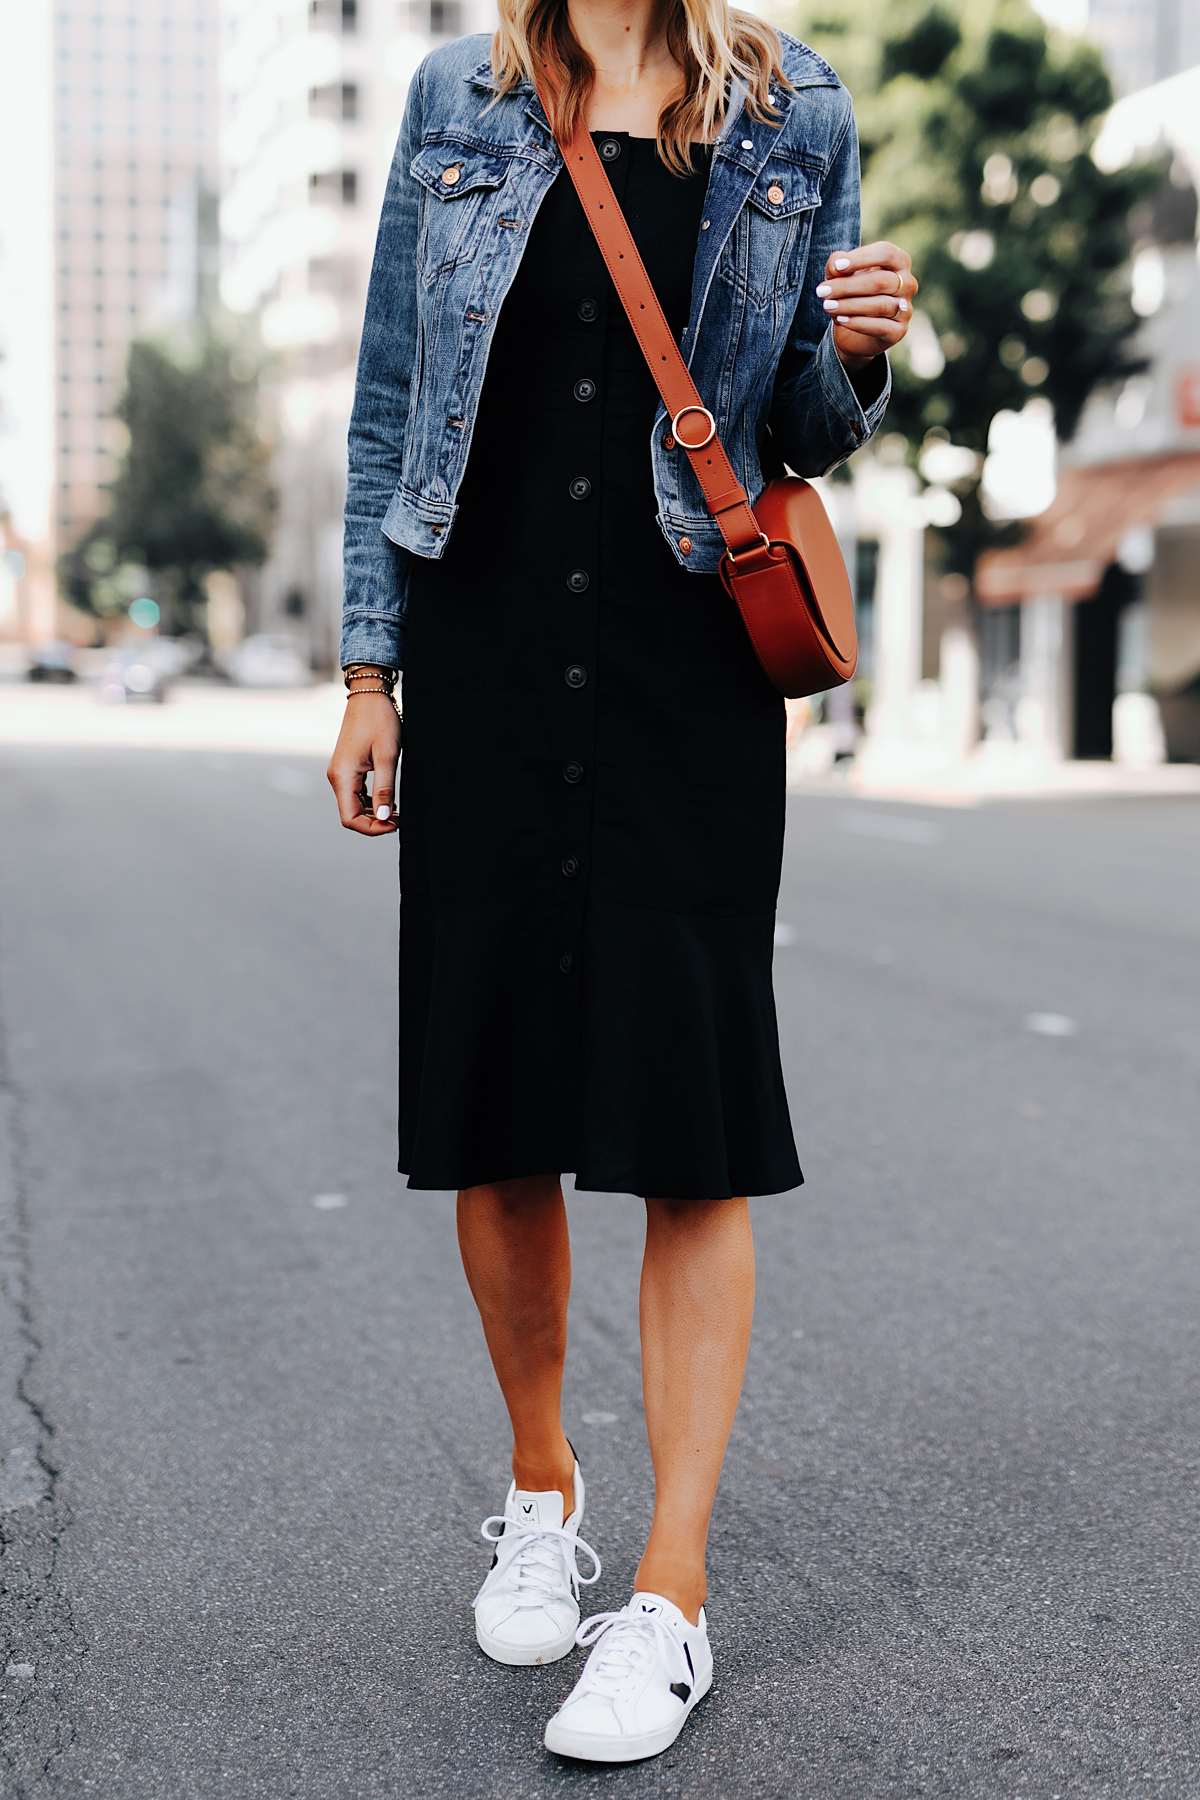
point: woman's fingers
(876, 269)
(369, 742)
(882, 255)
(383, 788)
(868, 295)
(875, 306)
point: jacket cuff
(841, 397)
(372, 637)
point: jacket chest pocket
(457, 180)
(770, 245)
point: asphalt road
(955, 1551)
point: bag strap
(726, 497)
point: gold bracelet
(387, 692)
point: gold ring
(899, 282)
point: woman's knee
(696, 1216)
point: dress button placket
(579, 597)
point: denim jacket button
(585, 389)
(685, 546)
(453, 175)
(668, 442)
(775, 194)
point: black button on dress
(592, 790)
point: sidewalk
(197, 715)
(995, 772)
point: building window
(337, 101)
(339, 185)
(445, 18)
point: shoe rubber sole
(520, 1656)
(595, 1746)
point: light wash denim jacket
(758, 340)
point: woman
(592, 802)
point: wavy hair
(713, 44)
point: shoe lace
(545, 1556)
(623, 1644)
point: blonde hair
(711, 42)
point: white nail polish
(824, 289)
(383, 812)
(831, 305)
(841, 262)
(843, 320)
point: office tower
(135, 164)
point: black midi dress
(592, 789)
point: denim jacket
(758, 341)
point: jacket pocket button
(452, 175)
(775, 194)
(668, 442)
(685, 545)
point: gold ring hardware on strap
(766, 545)
(712, 427)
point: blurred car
(141, 671)
(52, 661)
(266, 660)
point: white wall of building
(314, 92)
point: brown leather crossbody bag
(782, 562)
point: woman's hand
(869, 294)
(368, 741)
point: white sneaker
(527, 1610)
(648, 1670)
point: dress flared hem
(611, 1183)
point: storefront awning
(1066, 550)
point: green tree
(192, 493)
(976, 127)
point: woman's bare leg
(697, 1302)
(517, 1256)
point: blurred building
(1145, 41)
(1093, 620)
(135, 107)
(313, 94)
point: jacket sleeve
(816, 418)
(376, 570)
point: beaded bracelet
(370, 671)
